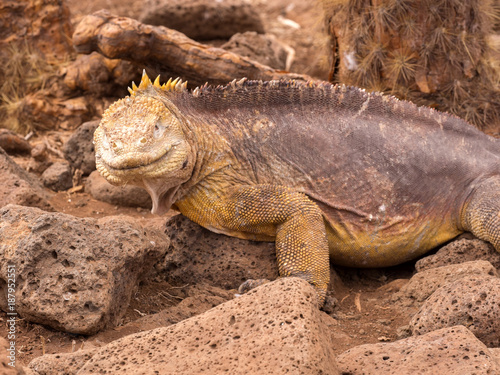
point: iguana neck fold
(210, 152)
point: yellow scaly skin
(202, 161)
(269, 213)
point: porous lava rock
(452, 350)
(61, 363)
(203, 299)
(197, 255)
(496, 353)
(74, 274)
(19, 187)
(424, 283)
(275, 328)
(471, 301)
(128, 195)
(79, 148)
(462, 250)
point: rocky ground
(103, 284)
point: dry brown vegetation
(435, 53)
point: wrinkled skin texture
(328, 172)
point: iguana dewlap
(325, 171)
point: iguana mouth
(120, 172)
(134, 160)
(134, 163)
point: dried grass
(25, 71)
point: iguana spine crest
(171, 85)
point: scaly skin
(328, 172)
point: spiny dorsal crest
(177, 85)
(170, 85)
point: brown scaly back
(247, 95)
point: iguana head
(141, 141)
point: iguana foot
(250, 284)
(482, 214)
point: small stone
(58, 176)
(197, 255)
(79, 149)
(62, 363)
(39, 152)
(384, 339)
(385, 322)
(13, 143)
(97, 75)
(331, 304)
(132, 196)
(19, 187)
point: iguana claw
(250, 284)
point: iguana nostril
(117, 146)
(143, 140)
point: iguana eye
(105, 141)
(159, 130)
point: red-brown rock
(274, 329)
(74, 274)
(453, 350)
(19, 187)
(472, 301)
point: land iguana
(326, 171)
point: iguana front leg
(273, 211)
(481, 215)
